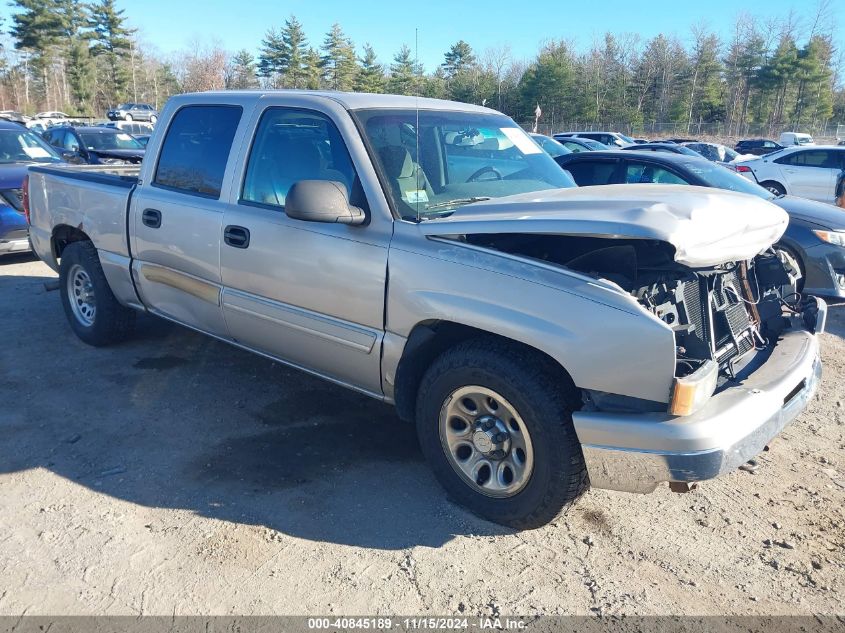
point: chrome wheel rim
(80, 292)
(774, 190)
(486, 441)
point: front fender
(601, 336)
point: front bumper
(824, 267)
(635, 452)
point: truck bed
(93, 199)
(118, 175)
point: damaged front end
(722, 316)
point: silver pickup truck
(429, 254)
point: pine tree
(459, 57)
(36, 29)
(338, 60)
(405, 73)
(312, 72)
(295, 49)
(271, 57)
(81, 75)
(370, 77)
(241, 73)
(111, 38)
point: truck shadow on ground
(174, 419)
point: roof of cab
(349, 100)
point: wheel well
(773, 182)
(64, 234)
(429, 340)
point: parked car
(630, 311)
(717, 152)
(788, 139)
(19, 148)
(640, 141)
(610, 139)
(814, 239)
(51, 118)
(550, 146)
(14, 117)
(678, 140)
(580, 144)
(133, 112)
(757, 146)
(671, 148)
(809, 172)
(95, 145)
(131, 127)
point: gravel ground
(178, 475)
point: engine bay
(721, 313)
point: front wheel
(90, 306)
(494, 421)
(128, 117)
(153, 119)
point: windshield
(803, 140)
(457, 158)
(23, 146)
(108, 140)
(723, 178)
(593, 144)
(627, 139)
(550, 146)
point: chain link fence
(829, 132)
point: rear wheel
(494, 421)
(91, 308)
(775, 187)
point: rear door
(308, 293)
(810, 173)
(177, 218)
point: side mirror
(322, 201)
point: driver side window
(292, 145)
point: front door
(308, 293)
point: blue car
(19, 148)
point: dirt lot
(175, 474)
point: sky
(170, 25)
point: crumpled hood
(706, 226)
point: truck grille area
(732, 325)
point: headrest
(397, 161)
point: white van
(787, 139)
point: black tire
(128, 117)
(111, 322)
(543, 397)
(775, 187)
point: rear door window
(646, 173)
(592, 172)
(196, 149)
(811, 158)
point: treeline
(775, 73)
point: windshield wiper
(449, 203)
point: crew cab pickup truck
(431, 255)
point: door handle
(151, 218)
(236, 236)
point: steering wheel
(484, 170)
